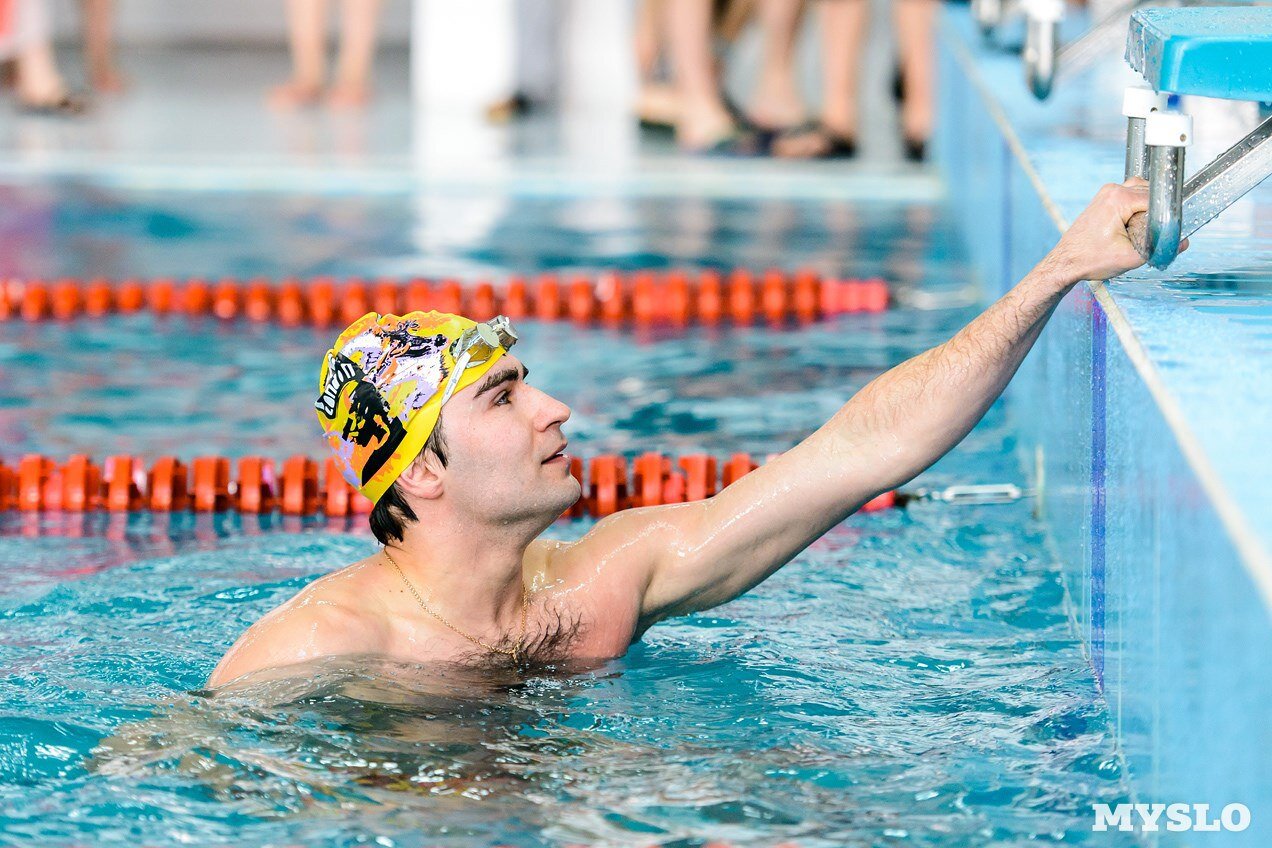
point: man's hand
(1097, 245)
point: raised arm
(702, 554)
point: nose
(552, 411)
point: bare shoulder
(326, 618)
(622, 550)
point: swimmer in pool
(434, 419)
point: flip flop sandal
(68, 104)
(837, 146)
(509, 109)
(915, 149)
(764, 135)
(740, 143)
(656, 126)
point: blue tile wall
(1178, 635)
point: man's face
(503, 449)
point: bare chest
(561, 626)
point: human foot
(295, 94)
(657, 105)
(59, 103)
(916, 129)
(349, 95)
(701, 126)
(777, 108)
(107, 80)
(816, 141)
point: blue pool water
(911, 679)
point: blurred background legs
(358, 33)
(39, 84)
(657, 101)
(777, 104)
(844, 24)
(916, 49)
(727, 76)
(307, 38)
(99, 51)
(307, 22)
(704, 122)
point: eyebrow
(508, 375)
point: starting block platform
(1209, 51)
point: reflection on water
(89, 231)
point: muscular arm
(703, 554)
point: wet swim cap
(384, 381)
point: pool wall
(1168, 595)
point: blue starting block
(1210, 51)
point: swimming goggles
(475, 345)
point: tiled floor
(195, 117)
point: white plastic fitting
(1168, 129)
(1044, 11)
(1140, 101)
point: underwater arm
(894, 428)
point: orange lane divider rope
(305, 487)
(642, 297)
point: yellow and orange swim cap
(385, 380)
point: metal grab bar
(1177, 209)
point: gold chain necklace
(514, 652)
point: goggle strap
(460, 365)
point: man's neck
(472, 576)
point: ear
(423, 478)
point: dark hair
(392, 513)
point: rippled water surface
(909, 680)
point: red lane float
(645, 298)
(167, 486)
(300, 486)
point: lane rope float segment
(303, 486)
(678, 298)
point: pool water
(911, 679)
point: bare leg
(844, 26)
(307, 35)
(915, 21)
(99, 46)
(734, 19)
(777, 103)
(647, 41)
(843, 47)
(657, 101)
(358, 32)
(703, 118)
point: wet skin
(481, 514)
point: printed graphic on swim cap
(340, 370)
(369, 427)
(407, 368)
